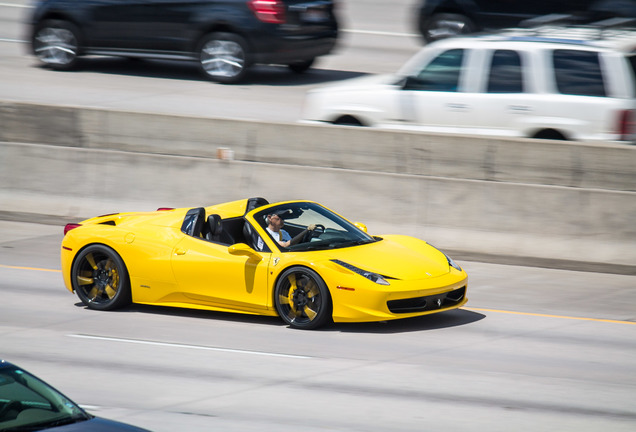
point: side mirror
(243, 249)
(361, 226)
(413, 83)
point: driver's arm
(300, 235)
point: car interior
(224, 231)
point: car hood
(399, 257)
(97, 424)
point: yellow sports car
(295, 259)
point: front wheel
(302, 298)
(301, 66)
(100, 278)
(223, 57)
(56, 44)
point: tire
(348, 121)
(302, 298)
(100, 278)
(301, 66)
(550, 134)
(223, 57)
(443, 25)
(56, 44)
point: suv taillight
(268, 11)
(626, 125)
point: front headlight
(374, 277)
(452, 263)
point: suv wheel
(301, 66)
(223, 57)
(443, 25)
(55, 43)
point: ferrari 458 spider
(226, 257)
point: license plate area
(314, 15)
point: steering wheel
(318, 230)
(13, 405)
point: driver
(275, 225)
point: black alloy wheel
(223, 57)
(302, 298)
(55, 43)
(100, 278)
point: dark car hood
(97, 424)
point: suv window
(578, 73)
(442, 74)
(506, 75)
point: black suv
(437, 19)
(225, 37)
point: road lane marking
(30, 268)
(551, 316)
(197, 347)
(16, 5)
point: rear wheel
(550, 134)
(100, 278)
(301, 66)
(348, 120)
(56, 44)
(302, 298)
(223, 57)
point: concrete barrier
(541, 199)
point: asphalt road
(535, 349)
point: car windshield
(331, 231)
(29, 404)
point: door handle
(180, 251)
(519, 108)
(458, 107)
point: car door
(141, 25)
(208, 274)
(432, 97)
(503, 94)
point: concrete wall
(504, 197)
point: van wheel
(550, 134)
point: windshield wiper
(47, 424)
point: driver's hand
(311, 227)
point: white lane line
(176, 345)
(13, 40)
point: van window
(578, 73)
(442, 73)
(506, 74)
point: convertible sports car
(223, 258)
